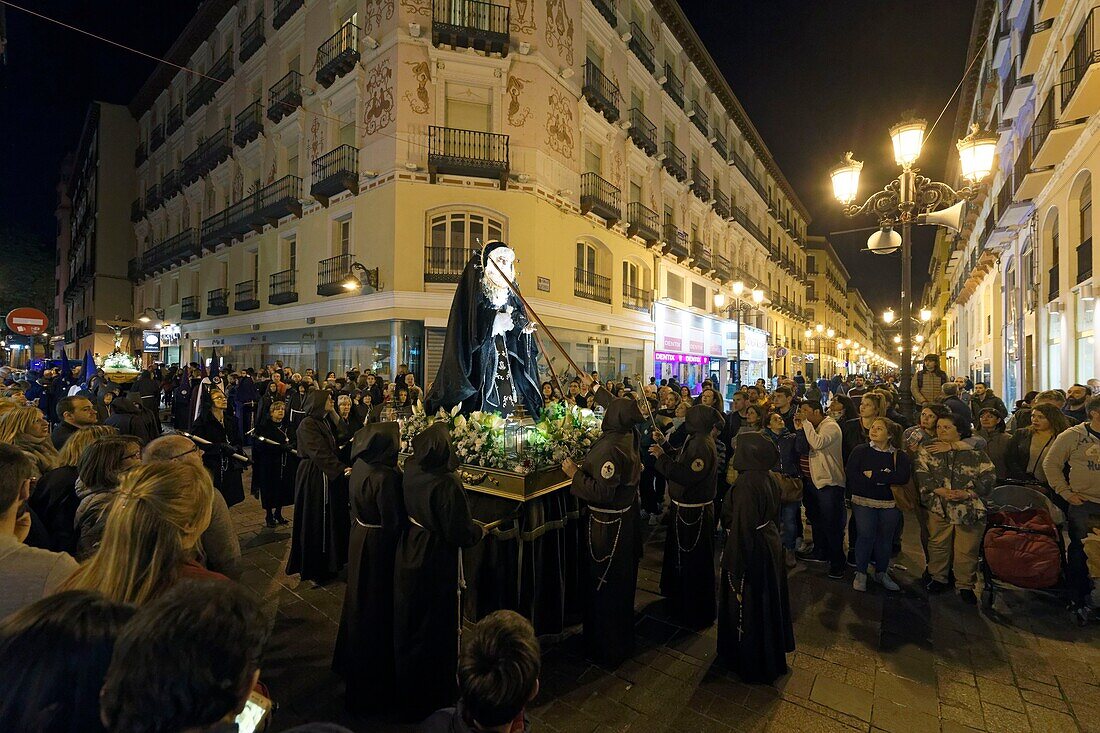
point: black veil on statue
(469, 364)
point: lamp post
(737, 305)
(903, 201)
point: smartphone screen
(253, 717)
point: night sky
(817, 77)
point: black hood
(377, 443)
(622, 415)
(702, 419)
(433, 451)
(127, 405)
(754, 453)
(315, 401)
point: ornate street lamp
(738, 305)
(903, 200)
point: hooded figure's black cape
(468, 365)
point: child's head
(498, 670)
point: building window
(698, 296)
(674, 284)
(1054, 350)
(586, 257)
(343, 235)
(454, 235)
(1086, 359)
(631, 277)
(1084, 246)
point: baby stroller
(1022, 548)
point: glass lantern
(517, 431)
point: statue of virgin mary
(490, 356)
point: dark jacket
(959, 407)
(887, 468)
(989, 401)
(130, 418)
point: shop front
(754, 354)
(690, 347)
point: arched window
(587, 281)
(1084, 222)
(453, 236)
(1052, 240)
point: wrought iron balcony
(601, 198)
(284, 97)
(641, 46)
(331, 274)
(136, 212)
(637, 298)
(252, 37)
(642, 131)
(721, 204)
(85, 327)
(674, 161)
(1084, 53)
(133, 270)
(1084, 260)
(719, 144)
(606, 8)
(171, 252)
(284, 10)
(700, 184)
(208, 85)
(282, 288)
(699, 117)
(249, 124)
(174, 120)
(643, 222)
(700, 256)
(338, 55)
(591, 286)
(723, 271)
(1053, 290)
(169, 185)
(471, 24)
(152, 197)
(335, 171)
(274, 201)
(676, 241)
(189, 308)
(244, 296)
(673, 87)
(602, 93)
(217, 302)
(156, 137)
(444, 264)
(141, 154)
(468, 153)
(206, 156)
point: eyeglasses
(185, 453)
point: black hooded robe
(426, 576)
(319, 543)
(225, 471)
(469, 364)
(274, 467)
(364, 654)
(607, 482)
(754, 614)
(245, 400)
(687, 576)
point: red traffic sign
(27, 321)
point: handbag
(905, 495)
(790, 487)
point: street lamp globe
(719, 300)
(830, 333)
(738, 289)
(925, 315)
(758, 296)
(897, 339)
(976, 153)
(845, 177)
(888, 316)
(808, 333)
(847, 343)
(908, 138)
(819, 328)
(920, 338)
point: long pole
(906, 397)
(737, 356)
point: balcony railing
(335, 171)
(282, 288)
(701, 256)
(156, 137)
(637, 298)
(338, 55)
(641, 47)
(141, 154)
(676, 241)
(152, 197)
(169, 185)
(1053, 289)
(252, 37)
(602, 93)
(673, 87)
(1008, 84)
(642, 131)
(172, 251)
(207, 155)
(189, 308)
(675, 162)
(217, 302)
(444, 264)
(136, 212)
(721, 204)
(471, 24)
(1084, 260)
(606, 8)
(723, 270)
(249, 124)
(276, 200)
(590, 286)
(208, 85)
(331, 274)
(1082, 55)
(244, 296)
(700, 184)
(284, 96)
(601, 198)
(468, 153)
(720, 144)
(643, 222)
(699, 117)
(284, 10)
(174, 120)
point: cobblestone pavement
(869, 662)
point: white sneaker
(886, 581)
(859, 582)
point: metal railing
(284, 96)
(700, 255)
(217, 302)
(152, 197)
(337, 55)
(606, 8)
(174, 120)
(471, 23)
(720, 144)
(1053, 289)
(1082, 55)
(699, 117)
(248, 124)
(156, 137)
(642, 131)
(444, 264)
(136, 212)
(1084, 260)
(458, 150)
(252, 37)
(189, 307)
(141, 154)
(282, 287)
(673, 87)
(641, 47)
(332, 271)
(637, 298)
(591, 286)
(283, 11)
(675, 161)
(601, 92)
(675, 239)
(642, 221)
(721, 204)
(700, 184)
(600, 196)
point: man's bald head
(172, 448)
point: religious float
(118, 366)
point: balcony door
(469, 115)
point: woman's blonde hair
(157, 505)
(17, 421)
(81, 439)
(879, 402)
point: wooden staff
(277, 444)
(644, 399)
(202, 441)
(549, 363)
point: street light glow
(925, 315)
(908, 139)
(888, 316)
(819, 328)
(976, 153)
(845, 177)
(719, 300)
(738, 289)
(758, 296)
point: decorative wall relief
(518, 113)
(654, 28)
(418, 7)
(238, 186)
(271, 172)
(617, 171)
(559, 124)
(376, 12)
(316, 138)
(419, 103)
(378, 110)
(559, 29)
(523, 17)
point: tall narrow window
(344, 235)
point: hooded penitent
(433, 451)
(378, 443)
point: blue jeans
(789, 516)
(874, 536)
(828, 522)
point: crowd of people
(119, 556)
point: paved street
(864, 662)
